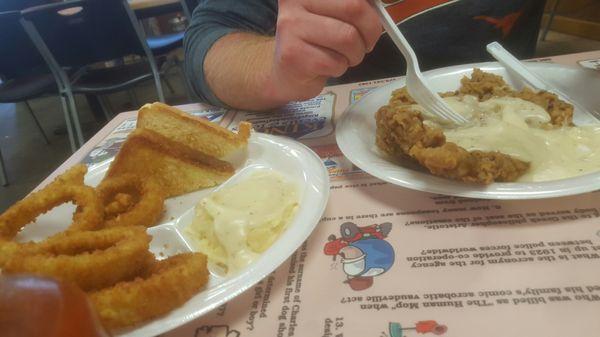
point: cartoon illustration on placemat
(421, 327)
(213, 115)
(593, 64)
(308, 119)
(364, 252)
(357, 94)
(338, 166)
(216, 331)
(105, 150)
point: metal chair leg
(68, 123)
(158, 85)
(149, 56)
(75, 118)
(3, 175)
(188, 91)
(169, 86)
(105, 104)
(133, 98)
(37, 122)
(552, 14)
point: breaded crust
(401, 133)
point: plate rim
(494, 191)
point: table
(458, 267)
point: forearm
(314, 40)
(238, 70)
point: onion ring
(74, 176)
(122, 210)
(67, 187)
(92, 259)
(168, 285)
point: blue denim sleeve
(211, 20)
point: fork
(415, 82)
(510, 62)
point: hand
(318, 39)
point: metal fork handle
(397, 37)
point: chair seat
(27, 87)
(164, 44)
(154, 11)
(108, 80)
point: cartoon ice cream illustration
(421, 327)
(364, 252)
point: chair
(81, 34)
(23, 72)
(162, 45)
(3, 177)
(550, 20)
(186, 6)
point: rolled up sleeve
(213, 19)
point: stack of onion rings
(129, 201)
(105, 251)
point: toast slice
(195, 132)
(177, 168)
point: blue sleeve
(212, 19)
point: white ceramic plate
(356, 135)
(290, 158)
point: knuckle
(313, 90)
(286, 22)
(321, 66)
(356, 59)
(354, 8)
(349, 35)
(289, 53)
(334, 66)
(341, 69)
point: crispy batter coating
(168, 284)
(485, 86)
(67, 187)
(401, 133)
(129, 201)
(120, 203)
(91, 259)
(454, 162)
(561, 113)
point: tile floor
(29, 159)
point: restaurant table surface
(366, 201)
(345, 90)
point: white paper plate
(290, 158)
(356, 135)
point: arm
(236, 70)
(250, 69)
